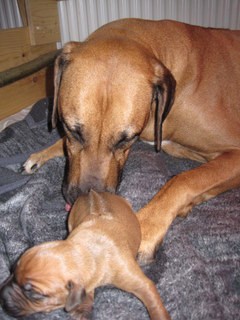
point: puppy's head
(45, 279)
(105, 91)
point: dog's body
(121, 84)
(101, 249)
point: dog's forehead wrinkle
(41, 256)
(42, 276)
(104, 103)
(73, 124)
(110, 50)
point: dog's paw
(146, 254)
(153, 230)
(33, 163)
(152, 237)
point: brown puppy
(120, 85)
(101, 249)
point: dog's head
(46, 278)
(105, 92)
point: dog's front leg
(36, 160)
(181, 193)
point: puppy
(101, 249)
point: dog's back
(109, 213)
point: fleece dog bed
(197, 268)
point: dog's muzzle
(12, 300)
(72, 192)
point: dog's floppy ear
(60, 64)
(164, 86)
(76, 294)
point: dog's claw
(33, 163)
(30, 167)
(21, 169)
(26, 168)
(34, 168)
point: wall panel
(78, 18)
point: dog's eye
(125, 141)
(76, 132)
(37, 296)
(31, 293)
(27, 287)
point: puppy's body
(121, 84)
(101, 249)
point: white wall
(78, 18)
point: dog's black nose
(4, 294)
(71, 193)
(6, 300)
(11, 297)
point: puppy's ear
(60, 64)
(164, 86)
(97, 203)
(75, 297)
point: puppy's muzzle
(12, 299)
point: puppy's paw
(84, 310)
(33, 163)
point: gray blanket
(197, 268)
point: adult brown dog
(101, 249)
(120, 85)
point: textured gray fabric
(197, 268)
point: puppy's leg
(36, 160)
(181, 193)
(83, 311)
(133, 280)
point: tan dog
(101, 249)
(120, 85)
